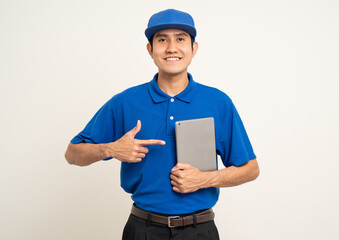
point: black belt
(174, 221)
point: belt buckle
(169, 221)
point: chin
(172, 73)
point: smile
(172, 59)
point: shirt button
(171, 117)
(172, 100)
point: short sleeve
(235, 148)
(100, 129)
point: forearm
(83, 154)
(233, 176)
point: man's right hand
(129, 149)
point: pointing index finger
(151, 142)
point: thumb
(135, 130)
(179, 166)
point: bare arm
(233, 176)
(83, 154)
(126, 149)
(186, 178)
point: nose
(171, 47)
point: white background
(61, 60)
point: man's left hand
(186, 178)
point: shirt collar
(159, 96)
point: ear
(149, 49)
(195, 48)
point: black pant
(138, 229)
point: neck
(172, 84)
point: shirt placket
(171, 118)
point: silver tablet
(195, 142)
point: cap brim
(149, 32)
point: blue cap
(170, 18)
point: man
(171, 200)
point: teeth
(172, 59)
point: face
(172, 51)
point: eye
(162, 40)
(181, 39)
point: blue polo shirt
(149, 180)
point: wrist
(105, 150)
(211, 178)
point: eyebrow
(166, 35)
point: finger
(135, 160)
(176, 189)
(150, 142)
(141, 155)
(174, 183)
(180, 166)
(175, 172)
(173, 177)
(176, 168)
(142, 150)
(135, 130)
(138, 159)
(177, 175)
